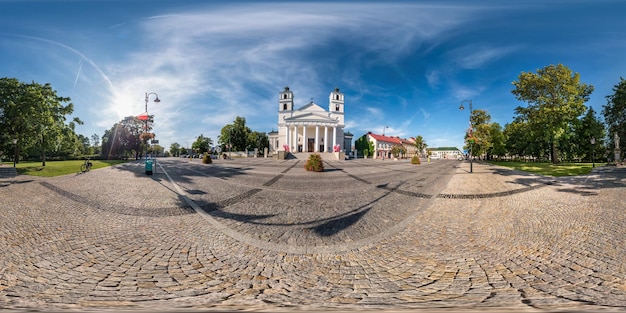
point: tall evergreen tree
(591, 126)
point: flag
(143, 116)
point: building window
(285, 106)
(336, 107)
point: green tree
(85, 145)
(420, 145)
(364, 145)
(183, 150)
(397, 150)
(590, 126)
(95, 143)
(257, 140)
(175, 149)
(202, 144)
(568, 143)
(156, 149)
(125, 139)
(138, 136)
(496, 141)
(517, 139)
(555, 98)
(34, 115)
(234, 135)
(615, 113)
(480, 133)
(114, 142)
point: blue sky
(407, 65)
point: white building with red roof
(383, 145)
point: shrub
(314, 163)
(206, 159)
(415, 160)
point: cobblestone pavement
(265, 235)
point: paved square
(265, 234)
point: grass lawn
(57, 168)
(563, 169)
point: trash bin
(148, 167)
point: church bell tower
(335, 103)
(285, 100)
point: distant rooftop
(444, 149)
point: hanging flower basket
(146, 136)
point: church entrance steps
(326, 156)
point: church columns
(334, 137)
(317, 140)
(295, 138)
(305, 146)
(286, 138)
(325, 138)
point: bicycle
(86, 167)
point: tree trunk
(16, 153)
(43, 150)
(554, 153)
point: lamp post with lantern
(469, 133)
(383, 148)
(14, 151)
(150, 164)
(147, 118)
(593, 149)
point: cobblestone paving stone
(265, 235)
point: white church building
(310, 128)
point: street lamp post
(230, 145)
(14, 151)
(593, 154)
(470, 131)
(156, 100)
(384, 151)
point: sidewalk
(482, 181)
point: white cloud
(374, 111)
(242, 56)
(433, 78)
(476, 56)
(217, 62)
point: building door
(311, 143)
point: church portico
(310, 137)
(310, 129)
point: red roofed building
(409, 147)
(383, 146)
